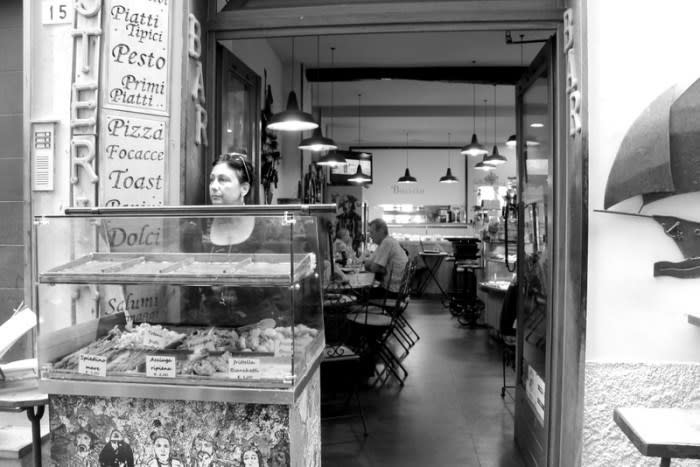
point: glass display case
(199, 303)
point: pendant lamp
(474, 148)
(407, 177)
(292, 119)
(483, 164)
(448, 177)
(359, 176)
(495, 158)
(317, 142)
(512, 140)
(332, 158)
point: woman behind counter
(230, 182)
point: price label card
(56, 11)
(92, 365)
(160, 366)
(243, 368)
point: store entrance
(351, 120)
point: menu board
(133, 152)
(137, 55)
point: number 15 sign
(56, 11)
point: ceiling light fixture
(483, 164)
(448, 177)
(512, 140)
(359, 176)
(317, 142)
(292, 119)
(407, 177)
(474, 148)
(495, 158)
(332, 158)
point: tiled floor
(450, 412)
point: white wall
(631, 314)
(428, 166)
(259, 56)
(640, 349)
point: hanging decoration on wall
(270, 155)
(658, 158)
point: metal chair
(379, 323)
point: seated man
(388, 261)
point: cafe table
(26, 398)
(668, 433)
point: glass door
(237, 120)
(535, 149)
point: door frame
(569, 272)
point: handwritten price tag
(243, 368)
(159, 366)
(92, 365)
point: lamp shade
(332, 159)
(292, 119)
(513, 142)
(317, 142)
(359, 176)
(407, 177)
(448, 177)
(483, 165)
(495, 158)
(474, 148)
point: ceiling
(427, 110)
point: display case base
(278, 434)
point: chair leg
(503, 360)
(361, 412)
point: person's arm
(378, 262)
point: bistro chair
(404, 333)
(377, 325)
(340, 364)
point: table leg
(431, 272)
(665, 462)
(35, 418)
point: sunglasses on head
(236, 157)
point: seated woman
(342, 247)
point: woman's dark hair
(239, 163)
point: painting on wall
(659, 158)
(91, 431)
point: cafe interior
(419, 130)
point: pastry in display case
(142, 304)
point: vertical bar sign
(138, 56)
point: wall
(640, 349)
(11, 168)
(260, 57)
(428, 166)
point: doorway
(219, 30)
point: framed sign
(341, 175)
